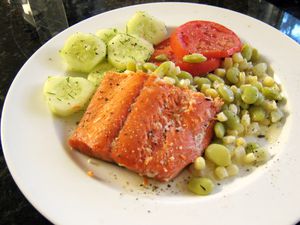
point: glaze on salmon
(163, 129)
(106, 114)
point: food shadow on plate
(127, 182)
(112, 175)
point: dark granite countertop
(20, 39)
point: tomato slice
(205, 37)
(196, 69)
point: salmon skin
(156, 130)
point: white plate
(54, 179)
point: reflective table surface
(26, 24)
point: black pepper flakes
(154, 188)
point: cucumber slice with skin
(67, 95)
(107, 34)
(82, 52)
(146, 26)
(124, 48)
(99, 71)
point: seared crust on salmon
(150, 127)
(165, 130)
(106, 114)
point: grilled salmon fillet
(146, 125)
(106, 114)
(167, 129)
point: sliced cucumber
(107, 34)
(99, 71)
(83, 52)
(146, 26)
(67, 95)
(124, 48)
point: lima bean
(201, 185)
(249, 94)
(247, 52)
(161, 57)
(218, 154)
(255, 55)
(259, 69)
(227, 63)
(185, 75)
(194, 58)
(232, 75)
(215, 78)
(219, 130)
(257, 114)
(233, 120)
(199, 81)
(271, 93)
(226, 93)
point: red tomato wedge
(208, 38)
(196, 69)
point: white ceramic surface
(54, 179)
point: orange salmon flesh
(146, 125)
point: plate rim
(8, 160)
